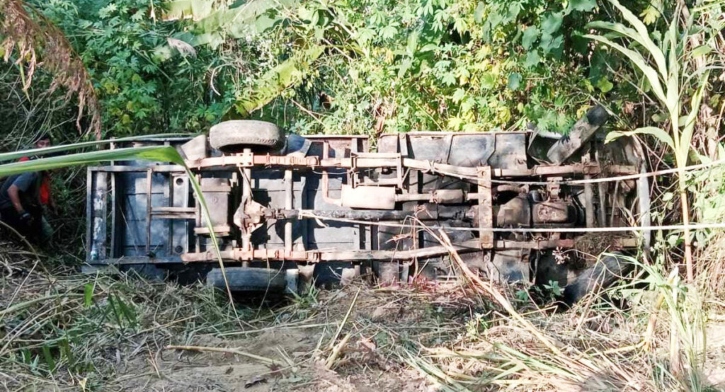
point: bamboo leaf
(87, 295)
(635, 36)
(637, 60)
(618, 28)
(11, 156)
(674, 66)
(701, 51)
(150, 153)
(673, 98)
(689, 127)
(643, 38)
(659, 133)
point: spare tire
(243, 279)
(236, 135)
(605, 272)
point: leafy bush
(143, 87)
(360, 67)
(427, 65)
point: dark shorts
(32, 232)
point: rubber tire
(248, 279)
(607, 270)
(236, 135)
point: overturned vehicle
(290, 210)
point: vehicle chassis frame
(483, 176)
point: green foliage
(362, 66)
(145, 84)
(554, 288)
(476, 325)
(447, 69)
(422, 65)
(677, 76)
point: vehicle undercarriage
(287, 209)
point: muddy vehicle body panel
(327, 207)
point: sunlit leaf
(458, 95)
(449, 79)
(532, 59)
(658, 133)
(12, 156)
(149, 153)
(478, 13)
(582, 5)
(701, 50)
(530, 35)
(552, 22)
(514, 81)
(650, 15)
(412, 43)
(488, 81)
(404, 67)
(604, 85)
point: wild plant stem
(25, 304)
(344, 320)
(235, 351)
(688, 240)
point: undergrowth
(65, 331)
(60, 328)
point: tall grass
(678, 88)
(69, 326)
(599, 346)
(676, 64)
(63, 329)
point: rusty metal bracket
(553, 187)
(271, 160)
(246, 159)
(485, 207)
(380, 160)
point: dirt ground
(190, 372)
(299, 351)
(419, 338)
(714, 368)
(377, 324)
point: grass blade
(659, 133)
(15, 155)
(162, 154)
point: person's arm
(21, 184)
(14, 195)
